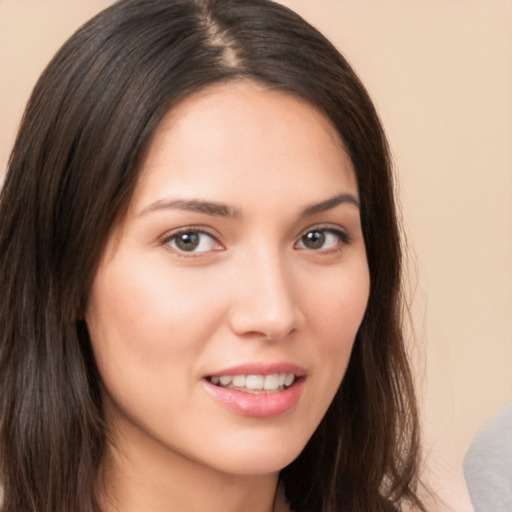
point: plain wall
(440, 72)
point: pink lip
(259, 405)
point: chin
(259, 460)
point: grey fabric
(488, 464)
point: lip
(258, 405)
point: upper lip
(255, 368)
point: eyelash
(344, 239)
(168, 239)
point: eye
(192, 241)
(322, 239)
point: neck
(148, 476)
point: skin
(161, 319)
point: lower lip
(257, 405)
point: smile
(257, 384)
(259, 390)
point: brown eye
(192, 241)
(187, 241)
(322, 239)
(313, 239)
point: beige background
(440, 72)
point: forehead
(232, 139)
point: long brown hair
(72, 171)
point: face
(226, 302)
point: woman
(200, 269)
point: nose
(266, 301)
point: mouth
(255, 384)
(259, 390)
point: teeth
(271, 382)
(226, 379)
(254, 383)
(239, 381)
(288, 381)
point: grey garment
(488, 464)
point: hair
(72, 172)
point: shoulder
(488, 462)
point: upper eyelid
(166, 239)
(344, 236)
(335, 228)
(187, 229)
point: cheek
(336, 313)
(147, 329)
(338, 307)
(146, 312)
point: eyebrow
(224, 210)
(329, 204)
(194, 205)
